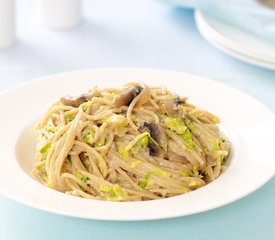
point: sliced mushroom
(155, 150)
(82, 157)
(158, 134)
(76, 101)
(127, 96)
(171, 106)
(179, 100)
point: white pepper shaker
(7, 23)
(58, 13)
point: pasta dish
(130, 144)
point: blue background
(137, 33)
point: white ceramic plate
(237, 43)
(232, 52)
(249, 125)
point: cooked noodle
(129, 144)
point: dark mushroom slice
(171, 106)
(82, 157)
(127, 96)
(155, 150)
(158, 134)
(179, 100)
(75, 101)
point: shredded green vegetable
(89, 136)
(106, 188)
(146, 180)
(84, 179)
(194, 183)
(68, 117)
(135, 164)
(45, 148)
(160, 173)
(211, 142)
(52, 129)
(141, 142)
(143, 137)
(188, 139)
(215, 144)
(117, 120)
(175, 124)
(48, 184)
(113, 192)
(190, 125)
(118, 190)
(184, 173)
(86, 105)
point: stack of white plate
(236, 42)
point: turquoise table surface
(137, 33)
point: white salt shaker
(7, 23)
(58, 13)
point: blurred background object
(250, 15)
(58, 13)
(240, 44)
(7, 23)
(268, 3)
(244, 29)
